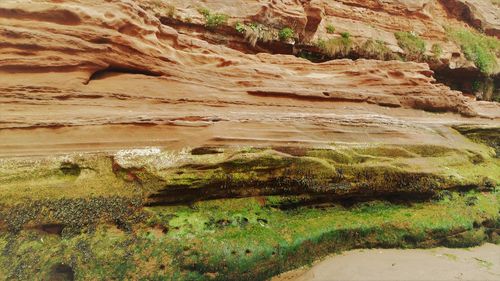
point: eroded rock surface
(101, 63)
(483, 14)
(139, 141)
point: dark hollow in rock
(261, 220)
(71, 169)
(61, 272)
(56, 229)
(206, 150)
(117, 70)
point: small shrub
(437, 50)
(286, 34)
(330, 29)
(412, 44)
(345, 35)
(213, 20)
(478, 48)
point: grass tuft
(336, 47)
(330, 29)
(375, 49)
(255, 32)
(412, 44)
(437, 50)
(345, 35)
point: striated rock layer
(483, 14)
(137, 141)
(87, 63)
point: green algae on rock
(246, 213)
(248, 238)
(489, 135)
(336, 172)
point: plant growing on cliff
(256, 32)
(240, 27)
(345, 35)
(213, 20)
(484, 88)
(330, 29)
(336, 47)
(437, 51)
(285, 34)
(481, 49)
(375, 49)
(412, 45)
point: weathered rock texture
(482, 14)
(88, 63)
(224, 119)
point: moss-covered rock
(489, 135)
(246, 239)
(237, 213)
(37, 189)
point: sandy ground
(481, 263)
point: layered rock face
(480, 14)
(186, 140)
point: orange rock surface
(72, 70)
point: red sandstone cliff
(98, 63)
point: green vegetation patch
(336, 47)
(151, 217)
(363, 170)
(247, 239)
(78, 177)
(437, 50)
(481, 49)
(345, 46)
(60, 191)
(345, 35)
(286, 34)
(487, 135)
(255, 32)
(376, 49)
(213, 20)
(330, 29)
(412, 45)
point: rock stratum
(224, 140)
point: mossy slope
(247, 239)
(151, 215)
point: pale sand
(481, 263)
